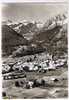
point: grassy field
(55, 90)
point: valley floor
(57, 89)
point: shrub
(26, 68)
(36, 83)
(3, 94)
(42, 82)
(27, 86)
(17, 84)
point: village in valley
(35, 58)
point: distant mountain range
(50, 36)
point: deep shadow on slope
(10, 39)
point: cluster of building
(39, 66)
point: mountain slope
(10, 39)
(53, 39)
(46, 35)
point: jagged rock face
(47, 35)
(29, 27)
(54, 39)
(10, 39)
(27, 30)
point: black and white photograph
(34, 50)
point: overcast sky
(31, 11)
